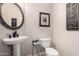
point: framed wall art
(72, 16)
(44, 19)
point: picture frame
(44, 19)
(72, 16)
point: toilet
(46, 42)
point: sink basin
(16, 41)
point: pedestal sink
(16, 43)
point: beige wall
(67, 42)
(32, 24)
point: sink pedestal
(16, 49)
(16, 41)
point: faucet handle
(9, 35)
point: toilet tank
(45, 42)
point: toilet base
(51, 51)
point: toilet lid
(51, 51)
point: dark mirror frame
(5, 24)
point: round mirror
(11, 15)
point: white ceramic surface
(45, 42)
(16, 43)
(51, 51)
(15, 40)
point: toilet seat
(51, 52)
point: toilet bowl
(46, 42)
(51, 52)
